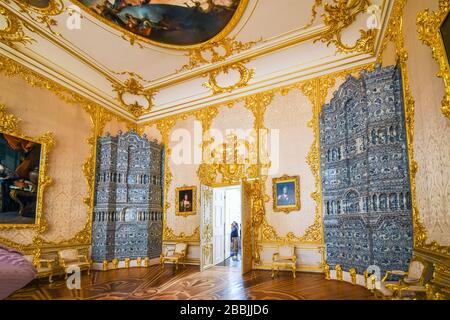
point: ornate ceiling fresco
(173, 23)
(148, 59)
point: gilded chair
(285, 258)
(71, 257)
(410, 284)
(175, 255)
(45, 267)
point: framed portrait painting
(23, 166)
(186, 201)
(286, 194)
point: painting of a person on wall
(185, 199)
(286, 194)
(19, 178)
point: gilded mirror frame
(429, 28)
(10, 125)
(132, 37)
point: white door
(247, 260)
(219, 226)
(206, 227)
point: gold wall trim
(99, 116)
(395, 35)
(428, 28)
(10, 125)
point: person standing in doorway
(234, 239)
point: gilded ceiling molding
(133, 86)
(245, 75)
(214, 52)
(341, 14)
(394, 33)
(429, 29)
(11, 68)
(43, 16)
(13, 33)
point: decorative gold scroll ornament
(341, 14)
(11, 32)
(43, 16)
(245, 75)
(134, 87)
(10, 124)
(429, 29)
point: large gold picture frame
(9, 124)
(429, 27)
(286, 193)
(186, 201)
(133, 37)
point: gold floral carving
(13, 33)
(429, 29)
(10, 124)
(339, 15)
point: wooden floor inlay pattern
(188, 283)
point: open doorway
(227, 222)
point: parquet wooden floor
(222, 283)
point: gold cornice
(428, 28)
(234, 63)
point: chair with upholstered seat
(284, 258)
(45, 267)
(174, 255)
(70, 258)
(411, 283)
